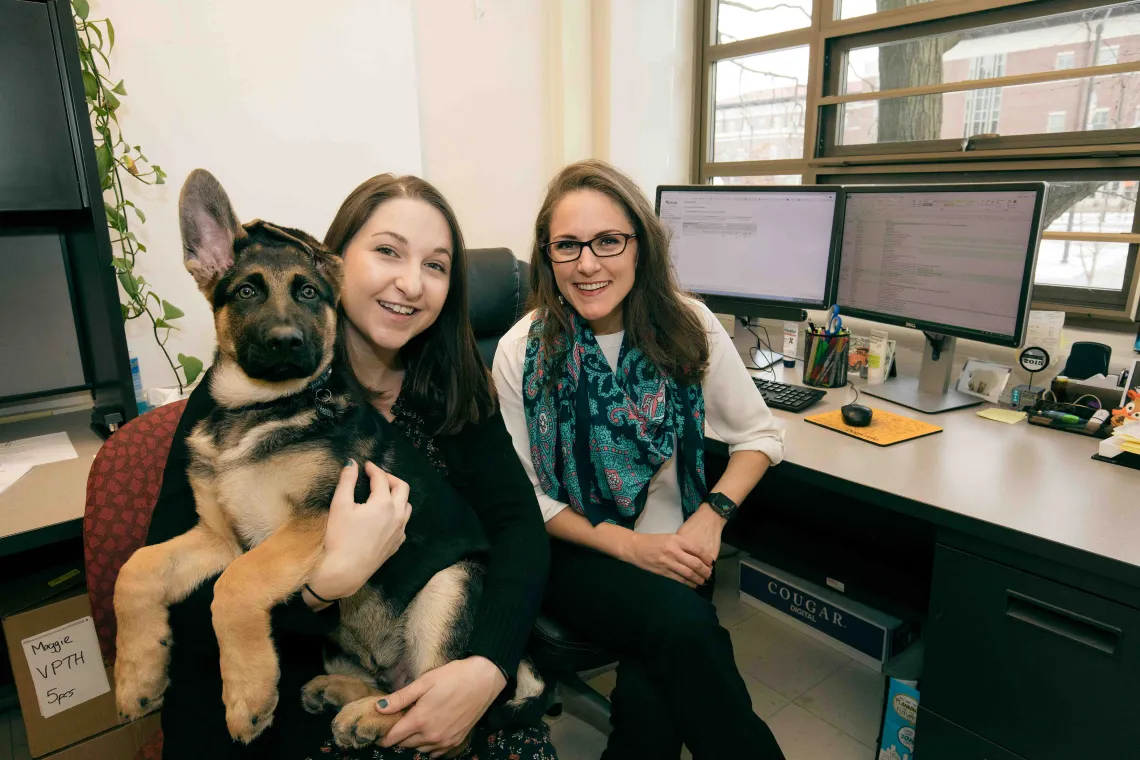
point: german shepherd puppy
(263, 469)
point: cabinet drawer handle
(1070, 625)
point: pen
(1062, 417)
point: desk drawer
(1029, 664)
(936, 738)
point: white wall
(512, 90)
(482, 107)
(290, 104)
(650, 97)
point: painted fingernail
(348, 463)
(383, 703)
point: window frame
(1113, 154)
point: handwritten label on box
(67, 668)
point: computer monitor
(955, 261)
(754, 251)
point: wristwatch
(722, 505)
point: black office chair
(1087, 359)
(498, 287)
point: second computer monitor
(955, 260)
(749, 250)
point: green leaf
(126, 311)
(111, 36)
(129, 283)
(140, 214)
(90, 85)
(82, 8)
(112, 102)
(162, 323)
(121, 263)
(98, 33)
(103, 161)
(114, 218)
(170, 311)
(142, 248)
(119, 89)
(191, 365)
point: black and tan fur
(263, 470)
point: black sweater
(483, 467)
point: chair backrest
(498, 287)
(122, 490)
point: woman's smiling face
(397, 272)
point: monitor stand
(930, 392)
(765, 359)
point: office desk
(46, 505)
(1033, 631)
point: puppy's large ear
(209, 229)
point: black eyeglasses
(603, 246)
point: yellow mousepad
(886, 429)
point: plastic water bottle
(136, 377)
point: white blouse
(734, 409)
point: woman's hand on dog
(675, 556)
(445, 703)
(359, 538)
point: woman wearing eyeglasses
(606, 388)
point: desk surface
(51, 494)
(1035, 481)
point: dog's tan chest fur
(255, 495)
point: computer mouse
(856, 415)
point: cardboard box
(863, 633)
(120, 743)
(64, 664)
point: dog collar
(322, 396)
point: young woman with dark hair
(404, 332)
(606, 387)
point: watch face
(725, 506)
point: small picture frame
(984, 379)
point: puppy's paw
(140, 670)
(359, 724)
(249, 711)
(335, 691)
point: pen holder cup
(825, 359)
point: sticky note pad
(1008, 416)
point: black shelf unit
(49, 181)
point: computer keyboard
(790, 398)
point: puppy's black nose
(284, 339)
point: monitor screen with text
(947, 258)
(771, 246)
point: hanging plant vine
(115, 157)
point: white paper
(791, 339)
(42, 449)
(10, 473)
(1044, 331)
(66, 666)
(877, 358)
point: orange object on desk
(886, 429)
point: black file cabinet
(1021, 666)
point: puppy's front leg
(243, 597)
(151, 580)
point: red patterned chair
(122, 490)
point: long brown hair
(445, 378)
(656, 318)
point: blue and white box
(899, 719)
(862, 633)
